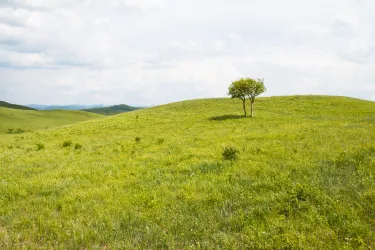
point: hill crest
(112, 110)
(14, 106)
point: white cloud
(235, 37)
(218, 45)
(144, 4)
(148, 52)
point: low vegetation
(16, 131)
(298, 176)
(230, 153)
(67, 144)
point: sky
(150, 52)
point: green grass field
(33, 120)
(156, 178)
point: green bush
(137, 139)
(230, 153)
(40, 146)
(67, 144)
(78, 146)
(160, 141)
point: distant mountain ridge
(14, 106)
(112, 110)
(96, 108)
(65, 107)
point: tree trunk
(244, 106)
(252, 115)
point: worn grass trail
(304, 178)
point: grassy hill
(156, 178)
(13, 106)
(112, 110)
(32, 120)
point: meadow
(156, 178)
(34, 120)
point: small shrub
(230, 153)
(15, 131)
(300, 192)
(20, 131)
(137, 139)
(40, 146)
(67, 144)
(78, 146)
(160, 141)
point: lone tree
(256, 87)
(240, 89)
(247, 88)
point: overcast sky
(149, 52)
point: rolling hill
(14, 106)
(112, 110)
(168, 177)
(18, 121)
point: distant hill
(112, 110)
(65, 107)
(14, 106)
(19, 121)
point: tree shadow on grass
(226, 117)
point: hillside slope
(112, 110)
(156, 178)
(32, 120)
(14, 106)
